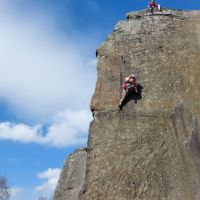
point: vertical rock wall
(143, 156)
(149, 150)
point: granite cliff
(149, 150)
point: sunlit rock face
(150, 149)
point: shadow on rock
(135, 96)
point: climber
(153, 5)
(129, 86)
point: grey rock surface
(143, 156)
(72, 176)
(163, 51)
(149, 150)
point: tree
(4, 189)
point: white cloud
(48, 181)
(50, 178)
(19, 132)
(50, 173)
(15, 193)
(42, 70)
(44, 74)
(68, 128)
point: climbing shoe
(120, 107)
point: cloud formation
(42, 69)
(68, 128)
(47, 76)
(50, 178)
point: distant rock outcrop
(72, 176)
(149, 150)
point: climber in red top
(153, 5)
(129, 85)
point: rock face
(149, 150)
(72, 176)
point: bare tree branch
(4, 189)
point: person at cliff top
(129, 85)
(153, 5)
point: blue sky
(47, 78)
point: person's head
(132, 79)
(133, 76)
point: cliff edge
(149, 150)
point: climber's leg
(151, 10)
(124, 93)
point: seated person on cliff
(152, 5)
(129, 86)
